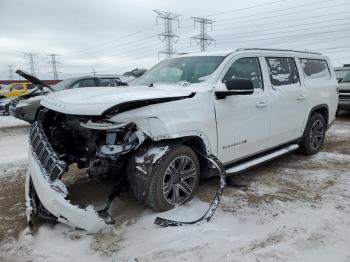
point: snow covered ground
(296, 208)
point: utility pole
(168, 37)
(30, 57)
(54, 65)
(93, 72)
(10, 72)
(203, 39)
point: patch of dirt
(12, 203)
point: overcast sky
(115, 36)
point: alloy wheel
(316, 134)
(179, 180)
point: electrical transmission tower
(203, 39)
(30, 57)
(168, 36)
(54, 63)
(10, 72)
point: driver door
(243, 121)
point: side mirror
(238, 86)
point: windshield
(180, 69)
(63, 84)
(346, 78)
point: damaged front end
(58, 141)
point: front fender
(158, 130)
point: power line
(10, 72)
(30, 57)
(54, 65)
(203, 39)
(168, 37)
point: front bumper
(47, 190)
(22, 113)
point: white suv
(242, 108)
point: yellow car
(16, 89)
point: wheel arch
(321, 109)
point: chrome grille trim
(46, 156)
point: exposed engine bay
(99, 146)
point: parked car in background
(26, 107)
(5, 105)
(16, 89)
(344, 93)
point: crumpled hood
(96, 100)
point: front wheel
(173, 179)
(314, 134)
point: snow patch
(9, 121)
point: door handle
(301, 97)
(262, 104)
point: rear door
(288, 100)
(243, 121)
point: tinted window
(315, 68)
(30, 86)
(247, 68)
(282, 70)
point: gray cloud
(114, 36)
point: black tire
(314, 134)
(167, 180)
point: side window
(315, 68)
(247, 68)
(30, 86)
(85, 83)
(108, 81)
(282, 71)
(17, 87)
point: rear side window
(282, 71)
(315, 68)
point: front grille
(47, 157)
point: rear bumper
(47, 197)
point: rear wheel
(314, 134)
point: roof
(262, 50)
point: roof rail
(273, 49)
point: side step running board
(262, 159)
